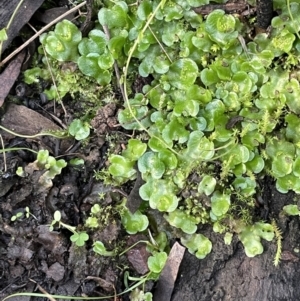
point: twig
(160, 44)
(243, 44)
(40, 32)
(4, 154)
(50, 297)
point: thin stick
(40, 32)
(160, 44)
(50, 297)
(4, 154)
(243, 44)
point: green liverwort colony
(219, 111)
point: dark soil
(33, 259)
(30, 252)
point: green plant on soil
(89, 55)
(214, 108)
(218, 107)
(78, 237)
(46, 163)
(56, 64)
(23, 212)
(132, 223)
(77, 129)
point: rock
(138, 257)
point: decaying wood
(9, 76)
(230, 8)
(22, 16)
(37, 34)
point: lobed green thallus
(213, 109)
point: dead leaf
(25, 121)
(9, 76)
(165, 284)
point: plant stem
(11, 149)
(131, 51)
(140, 241)
(30, 136)
(290, 13)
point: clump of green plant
(49, 164)
(91, 54)
(197, 244)
(65, 60)
(100, 216)
(62, 43)
(213, 105)
(122, 166)
(65, 44)
(250, 236)
(52, 165)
